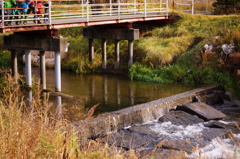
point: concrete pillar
(104, 54)
(59, 111)
(117, 57)
(42, 69)
(14, 65)
(57, 72)
(130, 50)
(28, 68)
(91, 50)
(29, 98)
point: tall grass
(164, 45)
(33, 132)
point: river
(112, 92)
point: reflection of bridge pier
(117, 34)
(42, 41)
(105, 89)
(118, 91)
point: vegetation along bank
(172, 53)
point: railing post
(206, 6)
(118, 9)
(135, 6)
(49, 11)
(87, 10)
(82, 8)
(110, 7)
(167, 8)
(192, 6)
(2, 7)
(160, 6)
(145, 8)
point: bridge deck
(76, 22)
(63, 14)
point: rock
(144, 129)
(160, 153)
(180, 118)
(186, 145)
(215, 97)
(128, 140)
(212, 133)
(233, 126)
(202, 110)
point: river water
(112, 92)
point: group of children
(19, 11)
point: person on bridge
(7, 11)
(25, 6)
(38, 11)
(16, 11)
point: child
(46, 14)
(25, 6)
(38, 11)
(8, 10)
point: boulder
(202, 110)
(128, 140)
(180, 118)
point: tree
(226, 6)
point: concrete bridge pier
(28, 68)
(14, 65)
(91, 50)
(57, 72)
(37, 40)
(117, 57)
(130, 50)
(116, 34)
(43, 70)
(104, 54)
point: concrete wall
(138, 114)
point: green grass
(173, 53)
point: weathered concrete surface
(138, 114)
(202, 110)
(180, 118)
(37, 42)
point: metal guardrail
(190, 6)
(59, 11)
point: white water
(217, 149)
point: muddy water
(112, 92)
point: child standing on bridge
(8, 11)
(38, 11)
(25, 10)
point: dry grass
(33, 132)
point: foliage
(5, 58)
(226, 6)
(182, 61)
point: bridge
(58, 14)
(106, 19)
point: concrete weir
(142, 113)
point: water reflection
(113, 92)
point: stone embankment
(166, 128)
